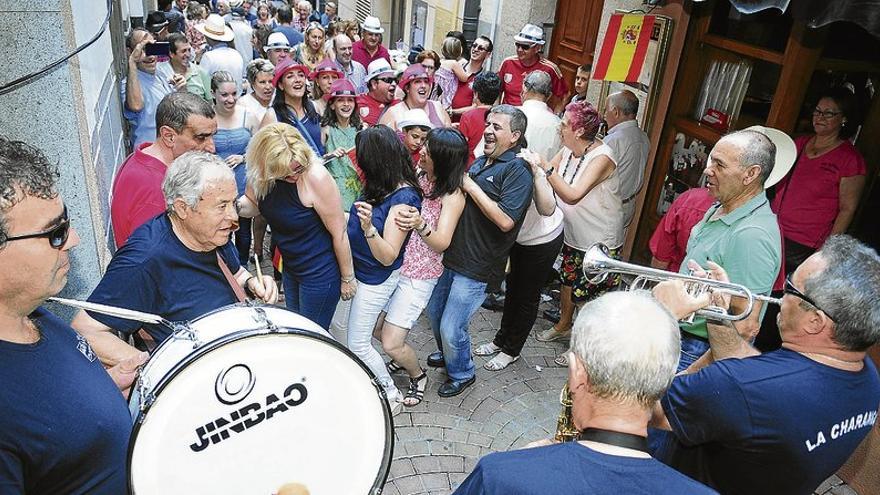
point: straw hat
(216, 29)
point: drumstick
(127, 314)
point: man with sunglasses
(783, 421)
(528, 58)
(65, 426)
(381, 85)
(463, 100)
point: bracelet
(248, 289)
(424, 226)
(371, 233)
(348, 280)
(424, 235)
(549, 171)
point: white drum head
(256, 411)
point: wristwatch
(549, 171)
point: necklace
(577, 169)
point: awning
(818, 13)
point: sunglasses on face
(523, 46)
(387, 80)
(827, 114)
(480, 48)
(791, 289)
(57, 235)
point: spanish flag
(624, 48)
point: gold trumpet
(598, 265)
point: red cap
(413, 72)
(287, 65)
(326, 65)
(341, 87)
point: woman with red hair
(584, 177)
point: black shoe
(435, 360)
(494, 302)
(451, 388)
(552, 314)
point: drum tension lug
(261, 318)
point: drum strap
(239, 292)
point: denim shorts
(408, 301)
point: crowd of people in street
(389, 189)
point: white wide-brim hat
(786, 152)
(216, 29)
(373, 25)
(530, 34)
(377, 68)
(414, 117)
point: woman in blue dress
(290, 187)
(235, 126)
(292, 104)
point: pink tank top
(420, 262)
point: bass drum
(252, 398)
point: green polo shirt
(745, 242)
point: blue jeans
(455, 300)
(663, 444)
(314, 300)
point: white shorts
(409, 299)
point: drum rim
(385, 465)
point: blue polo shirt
(745, 242)
(479, 248)
(156, 273)
(143, 123)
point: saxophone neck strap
(616, 438)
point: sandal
(486, 349)
(393, 367)
(416, 391)
(561, 360)
(500, 362)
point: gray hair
(538, 82)
(188, 176)
(256, 66)
(848, 290)
(304, 3)
(625, 101)
(755, 149)
(518, 121)
(175, 108)
(24, 171)
(629, 345)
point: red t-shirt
(360, 54)
(137, 193)
(512, 73)
(669, 242)
(472, 124)
(370, 108)
(464, 95)
(807, 210)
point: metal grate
(362, 9)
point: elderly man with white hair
(624, 348)
(180, 265)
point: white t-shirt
(542, 134)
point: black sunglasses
(57, 235)
(791, 289)
(523, 46)
(387, 80)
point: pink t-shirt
(420, 262)
(137, 194)
(808, 199)
(669, 241)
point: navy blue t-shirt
(64, 425)
(366, 268)
(572, 468)
(154, 272)
(293, 36)
(778, 423)
(479, 249)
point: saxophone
(565, 428)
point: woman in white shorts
(444, 161)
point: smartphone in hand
(157, 48)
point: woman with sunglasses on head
(339, 126)
(324, 75)
(235, 126)
(390, 187)
(288, 185)
(443, 164)
(819, 196)
(311, 51)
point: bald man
(354, 71)
(629, 146)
